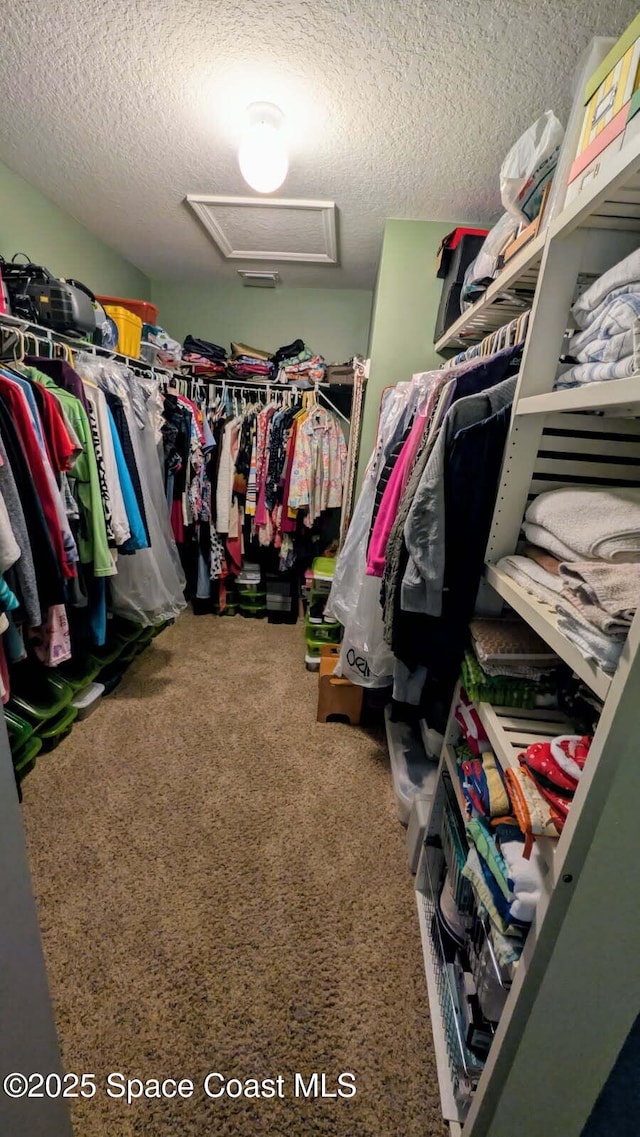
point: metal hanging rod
(48, 336)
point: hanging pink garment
(388, 508)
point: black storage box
(456, 253)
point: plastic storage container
(55, 729)
(86, 701)
(412, 772)
(322, 633)
(146, 312)
(129, 329)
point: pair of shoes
(317, 616)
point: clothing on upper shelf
(605, 315)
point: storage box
(457, 250)
(147, 312)
(607, 97)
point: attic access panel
(278, 229)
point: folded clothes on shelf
(556, 767)
(606, 316)
(502, 690)
(577, 523)
(602, 648)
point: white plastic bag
(485, 265)
(528, 167)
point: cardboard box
(608, 93)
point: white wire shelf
(543, 620)
(506, 298)
(616, 394)
(610, 201)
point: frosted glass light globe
(263, 157)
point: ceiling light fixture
(263, 155)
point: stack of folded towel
(605, 316)
(583, 560)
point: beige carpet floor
(222, 886)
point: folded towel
(539, 536)
(595, 373)
(533, 578)
(594, 614)
(615, 588)
(608, 338)
(619, 277)
(602, 650)
(597, 523)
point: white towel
(595, 523)
(539, 536)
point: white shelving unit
(576, 990)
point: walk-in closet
(319, 569)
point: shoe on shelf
(316, 612)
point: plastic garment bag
(149, 585)
(355, 597)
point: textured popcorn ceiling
(117, 109)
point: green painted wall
(30, 223)
(404, 314)
(333, 322)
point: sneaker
(316, 612)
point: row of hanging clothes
(252, 475)
(407, 577)
(84, 525)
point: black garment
(208, 350)
(176, 432)
(280, 430)
(217, 430)
(48, 573)
(115, 404)
(288, 352)
(243, 459)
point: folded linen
(533, 578)
(619, 277)
(615, 588)
(603, 650)
(595, 373)
(594, 614)
(597, 523)
(611, 337)
(539, 536)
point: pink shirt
(388, 508)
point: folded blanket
(615, 588)
(595, 373)
(597, 523)
(619, 277)
(610, 337)
(594, 614)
